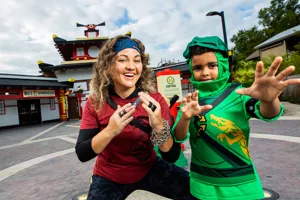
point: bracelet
(159, 138)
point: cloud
(165, 27)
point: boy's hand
(191, 106)
(267, 87)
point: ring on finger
(152, 106)
(122, 113)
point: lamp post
(221, 14)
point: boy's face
(205, 66)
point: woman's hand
(153, 109)
(121, 117)
(191, 106)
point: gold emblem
(170, 80)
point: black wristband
(173, 154)
(250, 107)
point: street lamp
(221, 14)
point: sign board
(38, 93)
(169, 83)
(82, 85)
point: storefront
(29, 100)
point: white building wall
(77, 74)
(12, 115)
(46, 112)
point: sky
(165, 27)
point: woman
(122, 134)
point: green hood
(220, 49)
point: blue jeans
(164, 178)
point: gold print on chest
(230, 132)
(202, 127)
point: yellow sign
(169, 85)
(38, 93)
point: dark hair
(197, 50)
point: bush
(245, 74)
(246, 69)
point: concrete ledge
(145, 195)
(136, 195)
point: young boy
(217, 117)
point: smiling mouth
(129, 75)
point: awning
(35, 83)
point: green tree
(280, 16)
(245, 73)
(245, 41)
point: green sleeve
(257, 111)
(156, 149)
(175, 124)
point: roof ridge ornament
(91, 29)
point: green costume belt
(225, 172)
(223, 177)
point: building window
(92, 34)
(80, 51)
(32, 107)
(2, 107)
(52, 104)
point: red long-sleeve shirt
(130, 155)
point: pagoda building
(78, 57)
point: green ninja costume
(221, 166)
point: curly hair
(101, 78)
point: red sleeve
(89, 118)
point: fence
(292, 90)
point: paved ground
(39, 162)
(291, 109)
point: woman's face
(127, 69)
